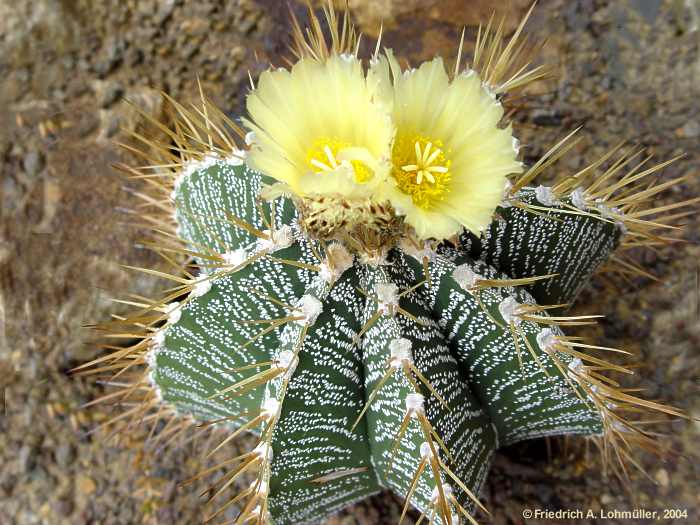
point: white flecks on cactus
(578, 198)
(174, 312)
(595, 398)
(257, 515)
(547, 340)
(546, 196)
(279, 239)
(338, 260)
(603, 208)
(260, 487)
(415, 404)
(327, 272)
(158, 337)
(151, 356)
(287, 361)
(283, 237)
(509, 309)
(621, 226)
(157, 393)
(235, 258)
(425, 451)
(155, 388)
(465, 276)
(237, 157)
(388, 295)
(188, 168)
(400, 349)
(270, 408)
(201, 287)
(613, 213)
(447, 490)
(310, 308)
(575, 367)
(263, 451)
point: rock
(41, 476)
(649, 9)
(11, 193)
(248, 24)
(190, 49)
(370, 14)
(662, 477)
(110, 93)
(33, 162)
(29, 28)
(112, 126)
(164, 12)
(133, 57)
(65, 455)
(113, 53)
(26, 459)
(542, 117)
(85, 485)
(63, 507)
(150, 102)
(689, 130)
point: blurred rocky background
(626, 69)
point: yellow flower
(317, 129)
(449, 157)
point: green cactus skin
(497, 384)
(571, 247)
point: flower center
(323, 159)
(421, 169)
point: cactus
(363, 355)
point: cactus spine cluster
(387, 362)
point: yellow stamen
(323, 159)
(417, 159)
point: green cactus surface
(272, 323)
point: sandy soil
(626, 70)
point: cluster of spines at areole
(614, 191)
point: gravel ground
(626, 69)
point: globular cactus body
(323, 336)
